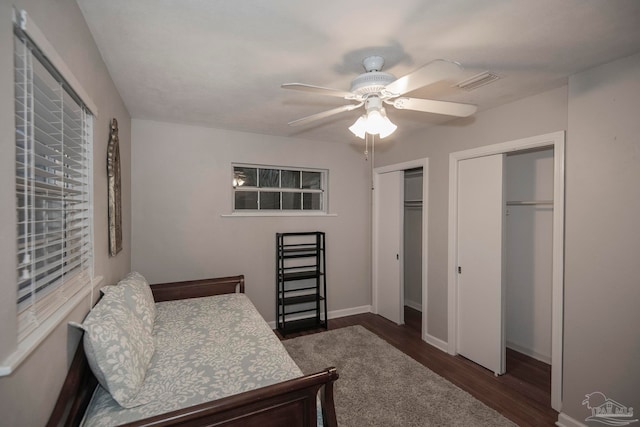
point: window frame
(322, 191)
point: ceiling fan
(375, 87)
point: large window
(53, 187)
(274, 188)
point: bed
(242, 375)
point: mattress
(205, 349)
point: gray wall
(28, 395)
(182, 185)
(602, 285)
(535, 115)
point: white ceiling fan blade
(319, 90)
(434, 71)
(324, 114)
(430, 106)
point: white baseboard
(333, 314)
(565, 420)
(350, 311)
(437, 342)
(413, 304)
(531, 353)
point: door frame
(412, 164)
(557, 141)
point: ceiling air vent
(478, 80)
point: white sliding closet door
(389, 209)
(480, 309)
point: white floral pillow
(118, 348)
(136, 294)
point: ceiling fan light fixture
(375, 122)
(359, 128)
(378, 123)
(387, 127)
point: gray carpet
(381, 386)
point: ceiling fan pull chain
(373, 160)
(366, 147)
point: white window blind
(53, 187)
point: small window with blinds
(279, 189)
(53, 187)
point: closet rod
(529, 202)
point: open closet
(413, 238)
(506, 259)
(528, 247)
(399, 241)
(528, 252)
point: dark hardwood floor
(522, 394)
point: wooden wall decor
(115, 190)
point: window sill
(278, 214)
(31, 342)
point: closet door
(389, 208)
(480, 333)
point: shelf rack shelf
(301, 284)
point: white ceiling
(220, 63)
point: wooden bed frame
(290, 403)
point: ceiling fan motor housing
(371, 82)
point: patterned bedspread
(206, 349)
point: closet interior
(413, 239)
(528, 253)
